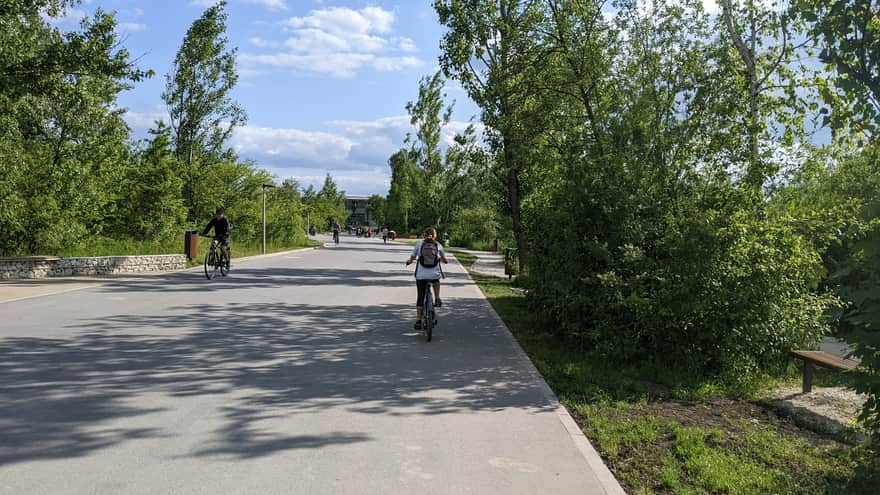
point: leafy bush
(703, 277)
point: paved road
(299, 373)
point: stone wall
(41, 267)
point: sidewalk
(488, 263)
(300, 373)
(14, 290)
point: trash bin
(191, 244)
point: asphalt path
(298, 373)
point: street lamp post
(264, 214)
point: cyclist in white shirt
(429, 253)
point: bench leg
(808, 377)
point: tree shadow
(252, 278)
(65, 397)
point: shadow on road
(245, 277)
(63, 398)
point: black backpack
(429, 256)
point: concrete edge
(98, 282)
(608, 482)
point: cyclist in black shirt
(222, 227)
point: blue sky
(324, 82)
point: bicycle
(216, 260)
(429, 317)
(336, 237)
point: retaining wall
(42, 267)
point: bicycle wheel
(224, 264)
(429, 324)
(211, 264)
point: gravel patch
(830, 409)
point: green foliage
(430, 188)
(378, 208)
(71, 182)
(493, 48)
(848, 33)
(63, 137)
(853, 262)
(203, 115)
(150, 205)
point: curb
(606, 479)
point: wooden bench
(824, 359)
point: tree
(331, 202)
(203, 114)
(428, 117)
(377, 205)
(404, 188)
(490, 47)
(768, 84)
(63, 137)
(848, 32)
(150, 206)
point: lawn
(663, 433)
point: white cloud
(353, 184)
(397, 125)
(262, 43)
(342, 20)
(271, 4)
(141, 122)
(131, 26)
(291, 147)
(338, 41)
(249, 73)
(135, 12)
(406, 45)
(203, 3)
(395, 63)
(336, 64)
(310, 40)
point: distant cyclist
(429, 254)
(336, 232)
(222, 228)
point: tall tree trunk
(755, 172)
(514, 199)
